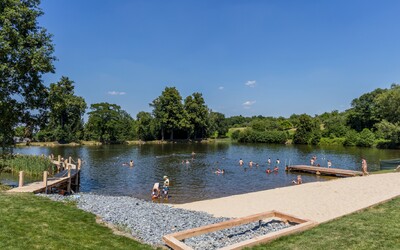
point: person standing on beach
(364, 167)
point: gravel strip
(149, 221)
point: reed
(32, 165)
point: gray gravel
(149, 221)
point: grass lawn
(31, 222)
(374, 228)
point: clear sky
(248, 57)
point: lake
(104, 173)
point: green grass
(31, 222)
(373, 228)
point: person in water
(278, 161)
(165, 187)
(241, 162)
(131, 163)
(276, 169)
(329, 164)
(299, 180)
(251, 164)
(269, 161)
(268, 171)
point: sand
(317, 201)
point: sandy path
(318, 201)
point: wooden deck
(324, 171)
(63, 180)
(40, 187)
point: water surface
(103, 171)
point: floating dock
(324, 171)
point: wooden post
(79, 164)
(21, 179)
(69, 179)
(45, 173)
(59, 158)
(65, 164)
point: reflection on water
(103, 171)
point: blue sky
(249, 57)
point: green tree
(145, 126)
(197, 113)
(66, 111)
(217, 124)
(169, 112)
(26, 53)
(363, 112)
(308, 131)
(366, 138)
(388, 104)
(106, 121)
(388, 131)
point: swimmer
(268, 171)
(251, 164)
(299, 180)
(131, 163)
(241, 162)
(278, 161)
(269, 161)
(187, 162)
(276, 169)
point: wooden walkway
(63, 180)
(324, 171)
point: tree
(217, 124)
(308, 131)
(197, 113)
(388, 104)
(66, 111)
(26, 53)
(363, 112)
(169, 112)
(106, 121)
(145, 126)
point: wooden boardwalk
(324, 171)
(63, 180)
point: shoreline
(317, 201)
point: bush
(337, 141)
(251, 136)
(235, 135)
(366, 138)
(351, 138)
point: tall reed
(31, 164)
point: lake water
(104, 173)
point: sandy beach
(317, 201)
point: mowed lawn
(374, 228)
(31, 222)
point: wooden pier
(67, 179)
(324, 171)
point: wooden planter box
(175, 240)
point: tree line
(30, 109)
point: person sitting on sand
(268, 171)
(276, 169)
